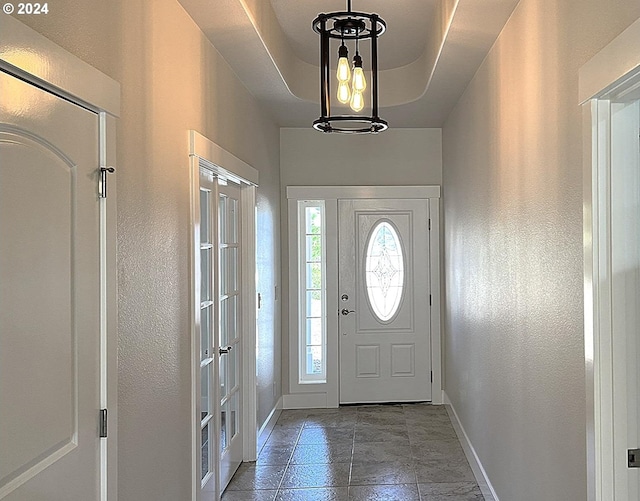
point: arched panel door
(49, 297)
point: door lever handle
(225, 350)
(344, 311)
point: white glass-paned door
(229, 333)
(207, 332)
(220, 334)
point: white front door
(383, 297)
(49, 297)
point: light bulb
(359, 82)
(357, 101)
(344, 93)
(344, 72)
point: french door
(384, 300)
(220, 333)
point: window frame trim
(302, 205)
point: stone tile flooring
(363, 453)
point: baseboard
(270, 422)
(305, 401)
(474, 461)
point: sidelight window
(312, 287)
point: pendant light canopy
(350, 81)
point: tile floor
(365, 453)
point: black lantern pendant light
(351, 82)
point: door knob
(344, 311)
(225, 350)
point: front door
(49, 297)
(383, 296)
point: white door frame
(327, 394)
(610, 74)
(206, 154)
(52, 68)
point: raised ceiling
(428, 55)
(403, 43)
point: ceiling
(427, 56)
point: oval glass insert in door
(384, 271)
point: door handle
(225, 350)
(344, 311)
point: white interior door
(384, 325)
(625, 295)
(220, 333)
(49, 297)
(229, 339)
(208, 318)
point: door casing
(327, 394)
(52, 68)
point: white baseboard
(270, 422)
(305, 401)
(474, 461)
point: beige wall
(513, 250)
(172, 80)
(311, 158)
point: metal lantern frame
(348, 26)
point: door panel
(49, 296)
(229, 344)
(206, 363)
(625, 292)
(385, 353)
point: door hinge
(102, 188)
(103, 423)
(430, 300)
(259, 300)
(429, 224)
(432, 376)
(633, 456)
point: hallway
(374, 452)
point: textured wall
(310, 158)
(172, 80)
(513, 249)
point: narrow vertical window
(312, 278)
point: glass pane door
(207, 323)
(229, 334)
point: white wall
(311, 158)
(513, 250)
(172, 80)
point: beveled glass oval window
(384, 271)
